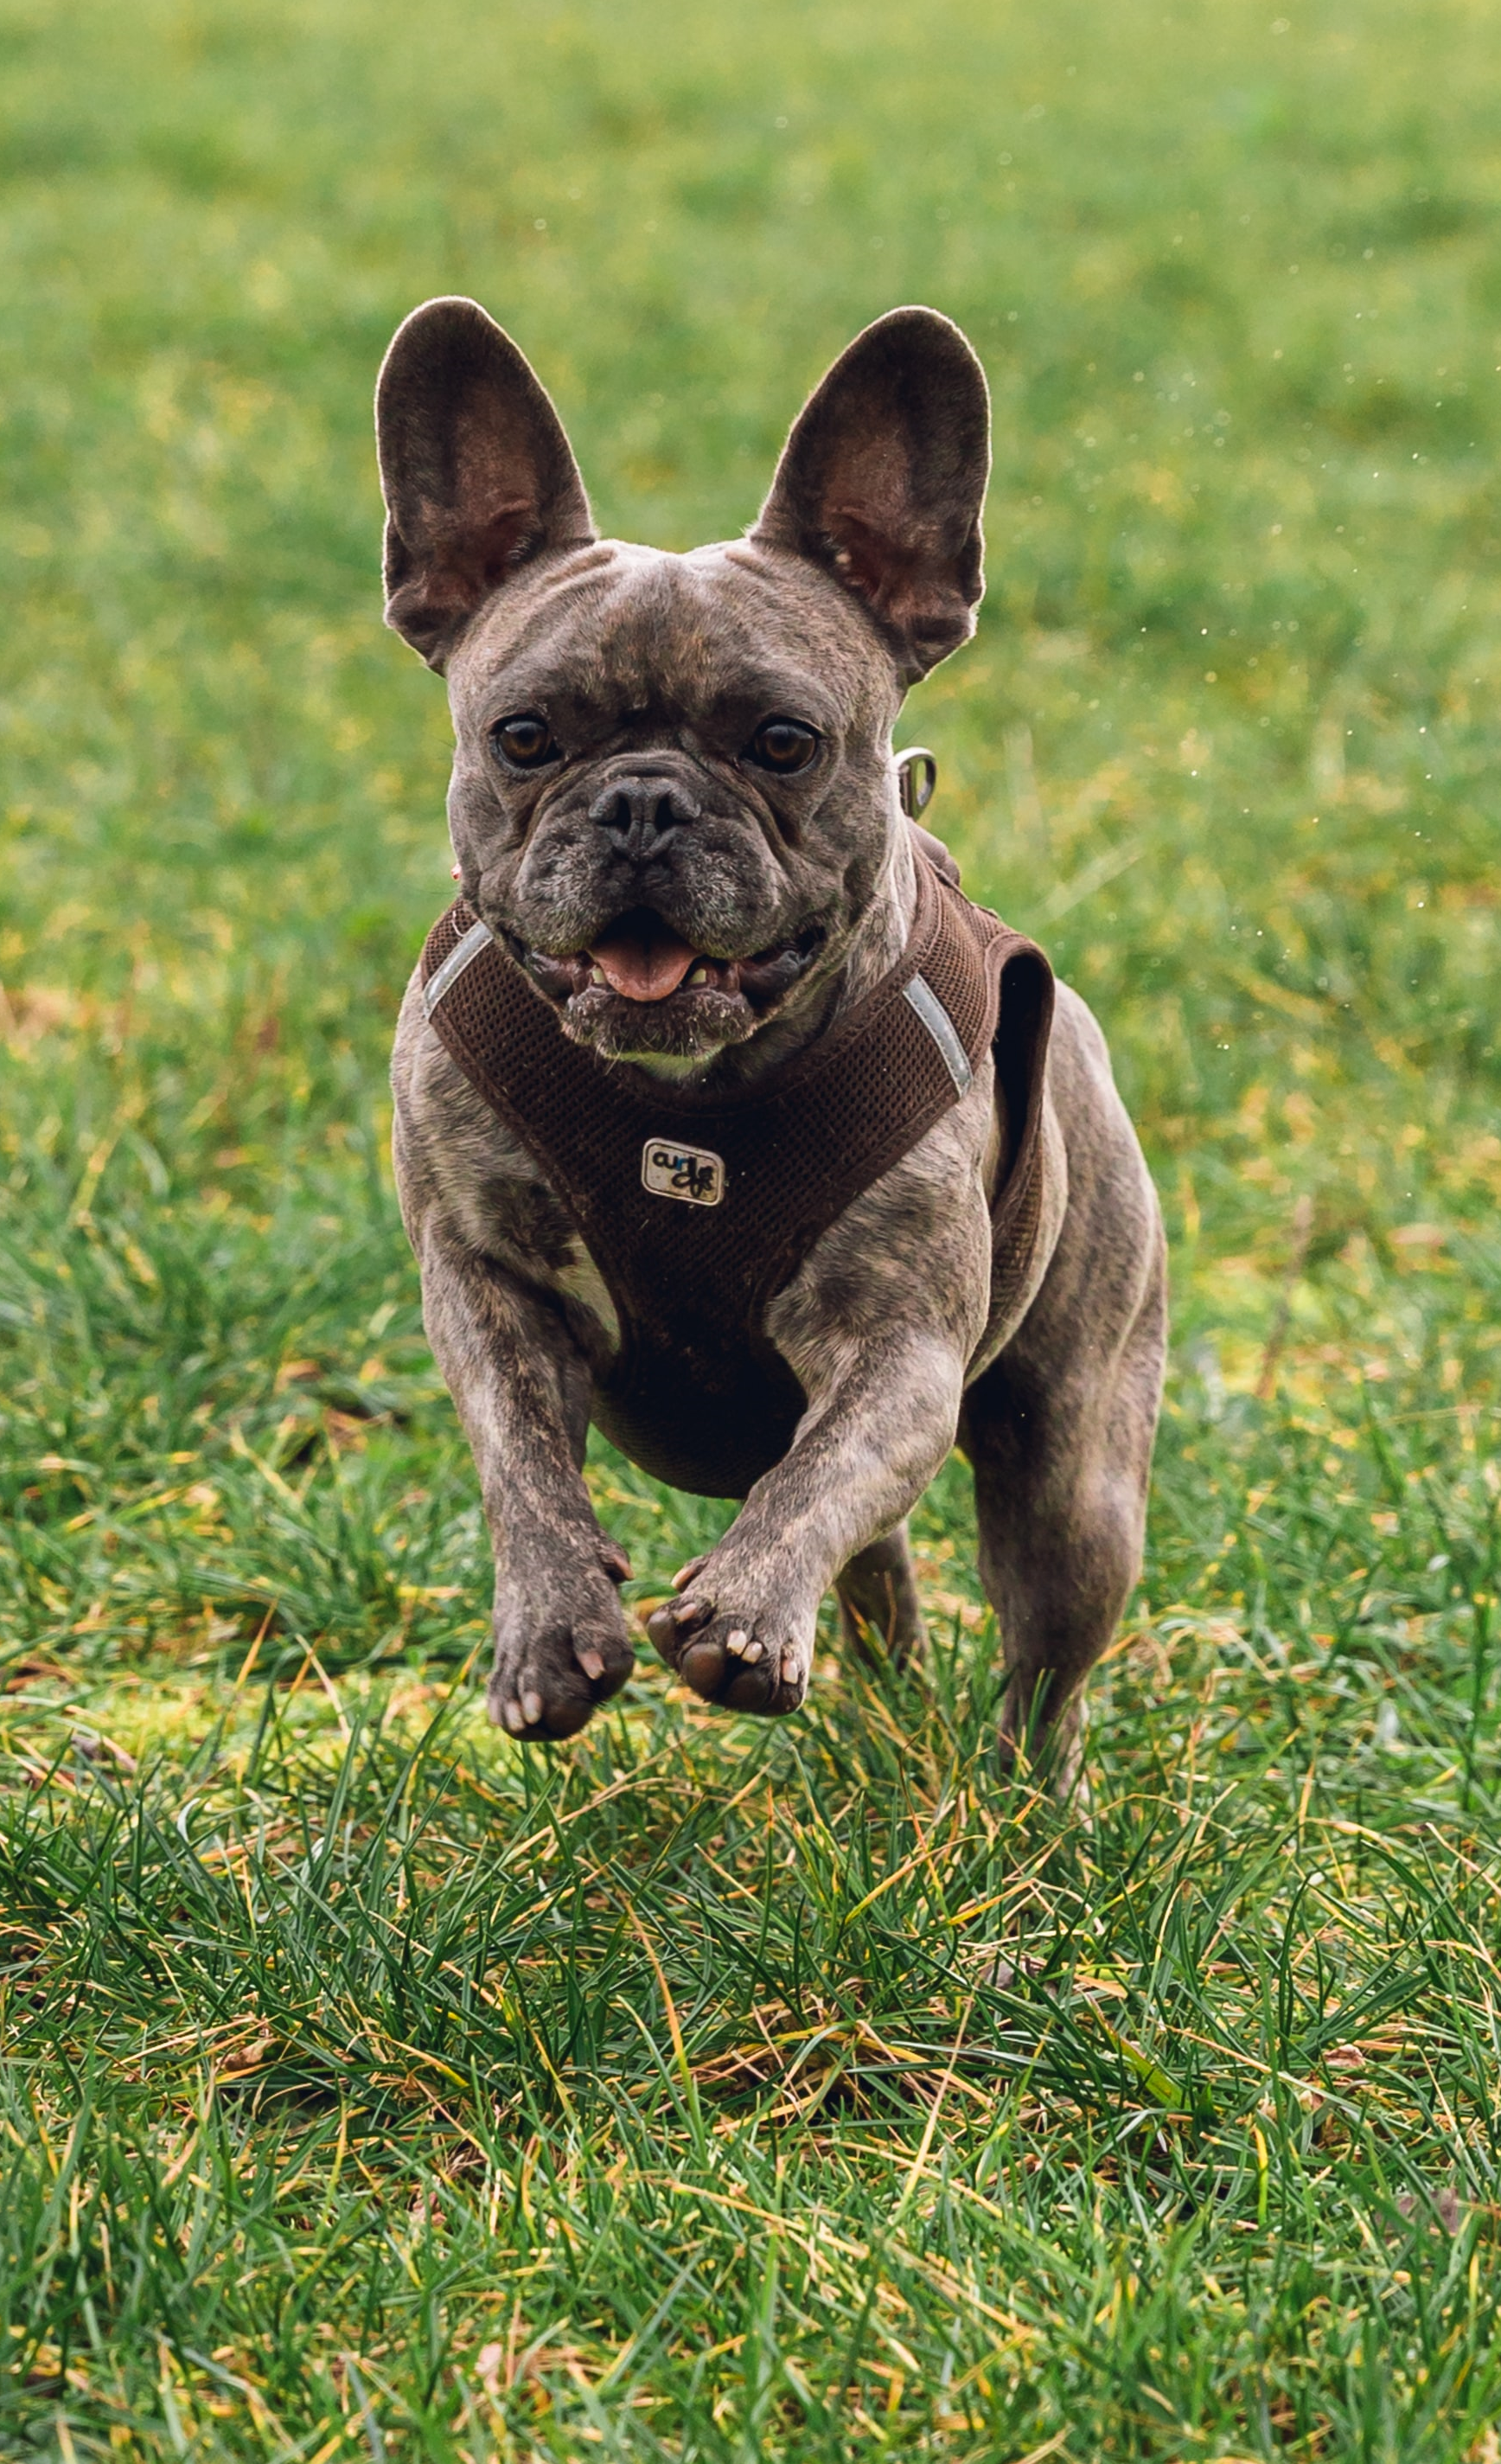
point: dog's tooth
(698, 975)
(597, 976)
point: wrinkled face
(673, 787)
(673, 793)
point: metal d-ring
(917, 777)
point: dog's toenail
(736, 1642)
(592, 1664)
(751, 1653)
(514, 1718)
(789, 1668)
(531, 1706)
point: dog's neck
(872, 951)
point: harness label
(694, 1174)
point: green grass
(374, 2088)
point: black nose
(639, 813)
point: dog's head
(673, 791)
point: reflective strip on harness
(478, 937)
(939, 1024)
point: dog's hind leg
(877, 1595)
(1061, 1450)
(1060, 1428)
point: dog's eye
(783, 745)
(525, 741)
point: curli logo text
(694, 1174)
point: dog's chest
(689, 1212)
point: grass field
(706, 2089)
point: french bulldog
(675, 807)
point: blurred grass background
(1173, 2135)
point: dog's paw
(1047, 1753)
(561, 1647)
(749, 1659)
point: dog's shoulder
(915, 1243)
(462, 1174)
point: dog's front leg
(882, 1355)
(522, 1390)
(874, 1435)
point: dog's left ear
(882, 481)
(477, 474)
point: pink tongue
(643, 966)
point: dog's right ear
(477, 474)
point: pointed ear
(476, 469)
(882, 480)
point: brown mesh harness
(698, 1207)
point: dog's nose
(639, 813)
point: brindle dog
(674, 801)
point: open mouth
(641, 958)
